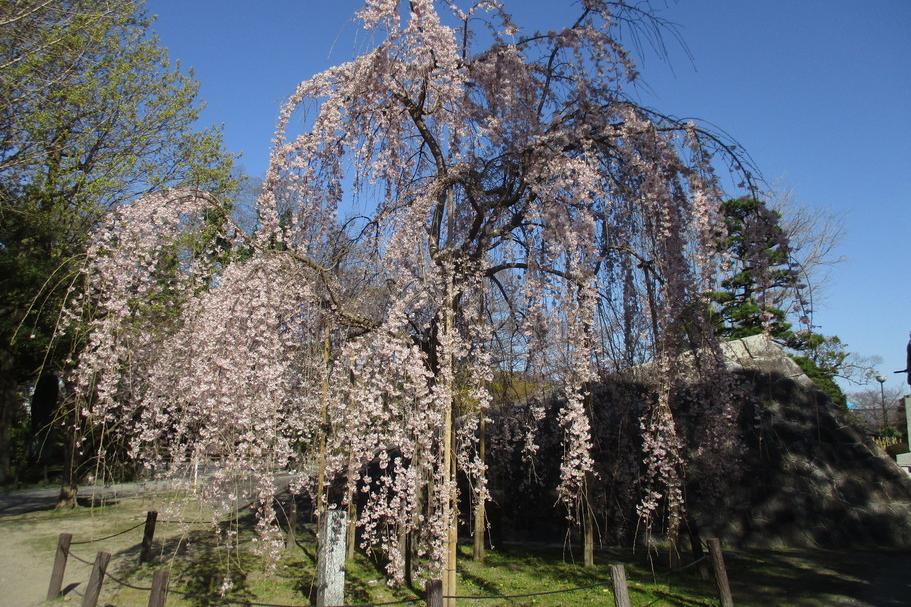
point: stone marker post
(907, 400)
(904, 459)
(330, 562)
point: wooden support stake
(159, 588)
(434, 593)
(63, 550)
(292, 521)
(621, 593)
(148, 534)
(93, 588)
(721, 575)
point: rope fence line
(523, 595)
(107, 537)
(120, 582)
(207, 597)
(171, 522)
(246, 603)
(229, 601)
(434, 595)
(688, 565)
(80, 559)
(638, 588)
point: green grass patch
(199, 565)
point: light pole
(882, 399)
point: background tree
(883, 411)
(814, 236)
(826, 358)
(91, 113)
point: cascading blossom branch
(136, 260)
(509, 191)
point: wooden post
(159, 588)
(351, 537)
(480, 515)
(292, 521)
(434, 593)
(145, 555)
(447, 514)
(63, 550)
(453, 532)
(721, 575)
(93, 588)
(588, 529)
(323, 430)
(621, 593)
(447, 368)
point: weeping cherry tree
(502, 183)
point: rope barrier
(248, 603)
(528, 594)
(126, 584)
(170, 522)
(573, 589)
(638, 587)
(80, 559)
(255, 604)
(118, 581)
(107, 537)
(398, 602)
(688, 565)
(229, 601)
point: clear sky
(818, 92)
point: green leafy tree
(825, 358)
(92, 113)
(823, 377)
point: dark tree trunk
(696, 547)
(7, 407)
(43, 405)
(69, 485)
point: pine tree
(761, 276)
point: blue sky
(818, 93)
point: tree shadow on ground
(805, 578)
(798, 578)
(202, 567)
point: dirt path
(28, 544)
(22, 501)
(23, 570)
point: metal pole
(882, 399)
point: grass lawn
(802, 578)
(198, 570)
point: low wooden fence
(433, 592)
